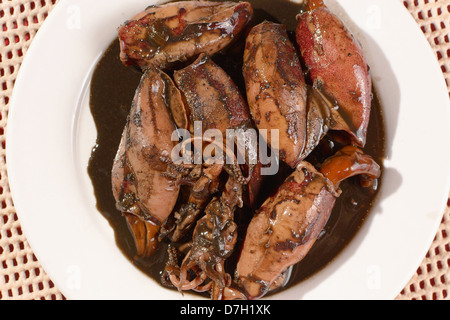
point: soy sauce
(112, 90)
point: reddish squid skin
(276, 88)
(165, 35)
(212, 96)
(284, 229)
(288, 224)
(214, 99)
(148, 145)
(337, 66)
(351, 161)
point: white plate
(51, 132)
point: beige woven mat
(21, 275)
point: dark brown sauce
(112, 89)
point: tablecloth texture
(22, 276)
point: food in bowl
(240, 140)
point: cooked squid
(140, 185)
(170, 34)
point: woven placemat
(21, 275)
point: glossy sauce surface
(112, 89)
